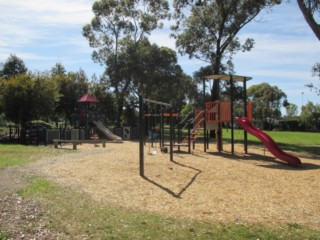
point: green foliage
(45, 97)
(116, 20)
(12, 67)
(58, 69)
(3, 235)
(207, 30)
(106, 109)
(292, 110)
(315, 73)
(310, 116)
(114, 32)
(186, 109)
(157, 75)
(71, 87)
(2, 117)
(267, 101)
(316, 70)
(28, 96)
(17, 98)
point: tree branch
(308, 15)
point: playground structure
(107, 132)
(85, 129)
(211, 118)
(217, 112)
(87, 118)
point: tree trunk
(215, 90)
(120, 112)
(308, 15)
(216, 83)
(214, 97)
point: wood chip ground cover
(245, 188)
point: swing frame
(152, 135)
(142, 101)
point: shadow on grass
(183, 189)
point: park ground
(253, 191)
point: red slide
(268, 142)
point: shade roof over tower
(88, 99)
(228, 77)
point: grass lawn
(11, 155)
(14, 154)
(294, 141)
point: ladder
(197, 129)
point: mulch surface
(252, 188)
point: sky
(44, 32)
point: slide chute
(268, 142)
(107, 132)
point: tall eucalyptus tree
(117, 28)
(207, 29)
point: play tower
(215, 113)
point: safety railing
(218, 112)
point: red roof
(88, 99)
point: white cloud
(72, 11)
(162, 38)
(28, 26)
(281, 74)
(43, 32)
(277, 44)
(22, 22)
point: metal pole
(171, 136)
(161, 129)
(156, 102)
(204, 116)
(232, 114)
(219, 131)
(189, 136)
(179, 133)
(151, 121)
(141, 135)
(245, 113)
